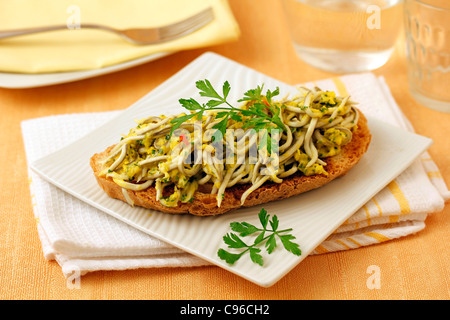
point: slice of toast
(205, 204)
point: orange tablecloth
(414, 267)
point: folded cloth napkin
(402, 206)
(84, 49)
(83, 239)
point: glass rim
(430, 5)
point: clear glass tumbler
(344, 36)
(427, 26)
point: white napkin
(401, 208)
(84, 239)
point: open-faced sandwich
(218, 157)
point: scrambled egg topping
(318, 124)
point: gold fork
(136, 36)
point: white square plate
(313, 216)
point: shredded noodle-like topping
(318, 123)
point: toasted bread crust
(205, 204)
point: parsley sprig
(266, 236)
(262, 112)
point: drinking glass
(427, 26)
(344, 36)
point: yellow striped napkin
(400, 209)
(85, 49)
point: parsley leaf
(255, 256)
(263, 217)
(289, 245)
(233, 241)
(262, 113)
(190, 104)
(178, 121)
(243, 229)
(207, 89)
(230, 258)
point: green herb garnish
(262, 113)
(266, 236)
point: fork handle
(20, 32)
